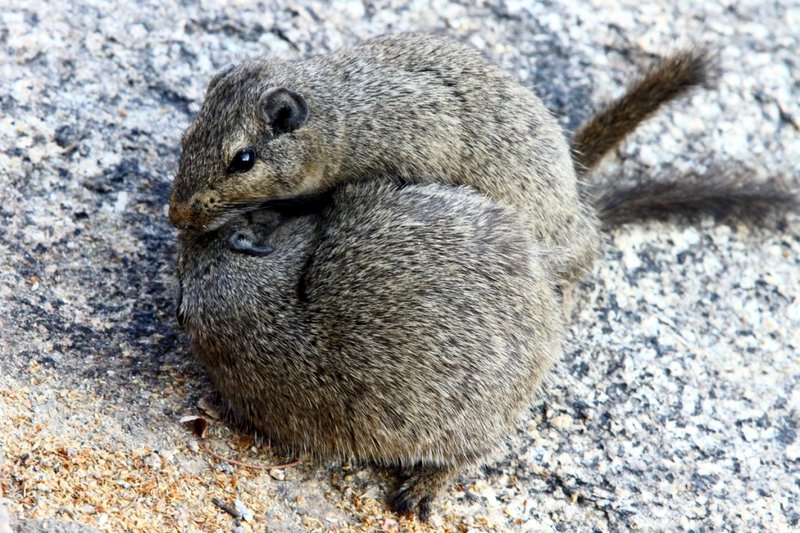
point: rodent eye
(243, 160)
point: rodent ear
(284, 110)
(218, 77)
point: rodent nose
(178, 216)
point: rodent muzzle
(179, 216)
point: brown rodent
(402, 326)
(412, 107)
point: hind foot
(419, 489)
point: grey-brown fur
(403, 326)
(411, 107)
(719, 191)
(400, 325)
(671, 78)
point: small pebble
(244, 511)
(153, 461)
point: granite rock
(675, 406)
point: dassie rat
(407, 107)
(403, 326)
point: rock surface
(675, 407)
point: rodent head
(253, 140)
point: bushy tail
(672, 78)
(719, 192)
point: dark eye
(243, 160)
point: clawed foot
(418, 491)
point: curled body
(403, 326)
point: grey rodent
(405, 107)
(406, 326)
(403, 326)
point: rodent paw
(405, 502)
(418, 491)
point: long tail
(673, 77)
(719, 192)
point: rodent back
(411, 106)
(430, 108)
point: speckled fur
(671, 78)
(411, 107)
(404, 326)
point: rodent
(414, 107)
(407, 326)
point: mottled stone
(676, 403)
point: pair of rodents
(377, 310)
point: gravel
(676, 403)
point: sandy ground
(676, 403)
